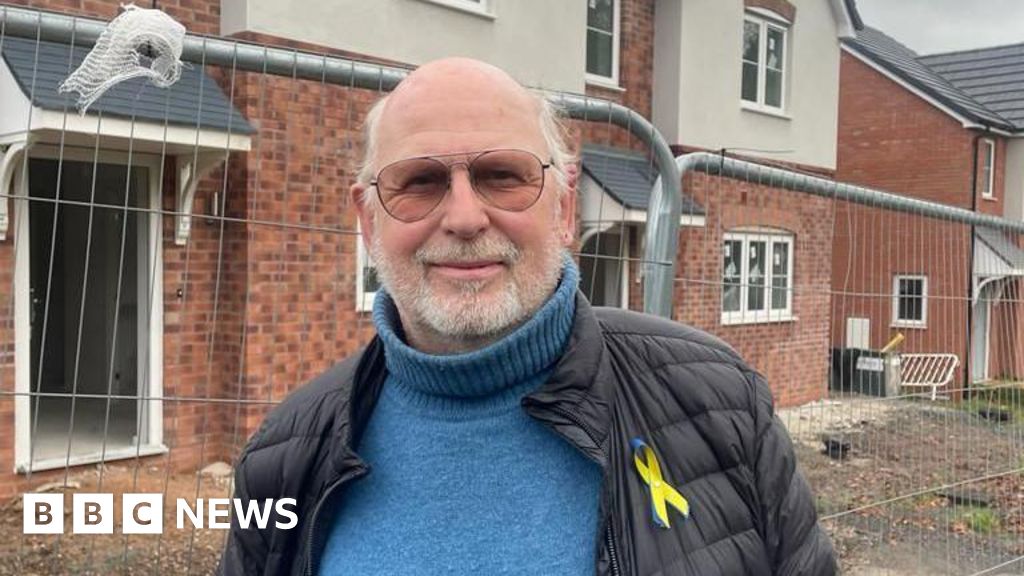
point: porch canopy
(996, 255)
(615, 189)
(192, 120)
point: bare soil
(924, 488)
(175, 552)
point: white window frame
(898, 322)
(364, 299)
(475, 7)
(989, 168)
(613, 80)
(765, 20)
(743, 315)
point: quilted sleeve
(245, 552)
(797, 544)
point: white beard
(467, 313)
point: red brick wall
(893, 140)
(793, 356)
(1006, 361)
(636, 70)
(198, 16)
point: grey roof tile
(195, 100)
(993, 76)
(627, 176)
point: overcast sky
(929, 26)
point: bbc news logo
(144, 513)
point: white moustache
(487, 249)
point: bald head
(461, 105)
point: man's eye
(501, 177)
(421, 183)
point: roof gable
(908, 67)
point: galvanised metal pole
(663, 216)
(717, 165)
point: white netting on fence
(138, 43)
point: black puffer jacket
(707, 415)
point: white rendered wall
(697, 69)
(1013, 205)
(542, 43)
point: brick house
(942, 128)
(252, 291)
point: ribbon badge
(661, 491)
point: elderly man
(498, 424)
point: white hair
(553, 129)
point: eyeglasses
(510, 180)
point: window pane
(773, 88)
(599, 53)
(755, 277)
(910, 305)
(731, 276)
(774, 48)
(780, 275)
(749, 82)
(370, 281)
(600, 14)
(751, 41)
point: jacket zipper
(613, 555)
(311, 564)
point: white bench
(927, 371)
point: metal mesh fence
(177, 262)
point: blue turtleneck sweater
(462, 480)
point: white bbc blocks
(43, 514)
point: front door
(87, 307)
(980, 333)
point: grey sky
(929, 26)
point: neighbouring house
(944, 128)
(757, 79)
(217, 312)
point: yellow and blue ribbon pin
(662, 492)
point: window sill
(755, 320)
(910, 325)
(605, 83)
(480, 12)
(759, 109)
(79, 460)
(366, 304)
(989, 198)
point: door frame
(983, 304)
(150, 278)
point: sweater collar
(521, 355)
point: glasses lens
(410, 189)
(508, 179)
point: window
(910, 301)
(757, 278)
(367, 282)
(603, 41)
(764, 63)
(988, 162)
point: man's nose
(465, 213)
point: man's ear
(363, 212)
(568, 205)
